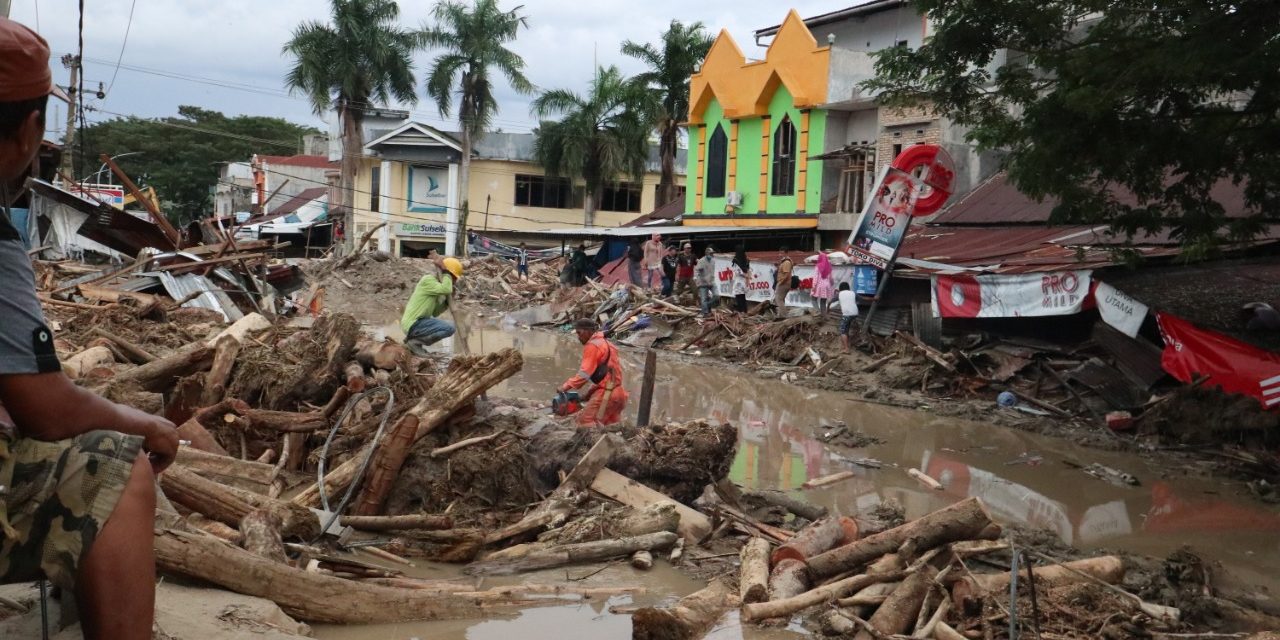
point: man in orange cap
(77, 502)
(602, 367)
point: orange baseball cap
(24, 65)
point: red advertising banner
(1235, 366)
(999, 295)
(917, 183)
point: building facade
(794, 139)
(409, 179)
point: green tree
(473, 40)
(1164, 99)
(179, 156)
(682, 49)
(362, 58)
(599, 137)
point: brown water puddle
(1023, 478)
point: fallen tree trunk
(788, 579)
(964, 520)
(389, 523)
(561, 555)
(135, 353)
(824, 593)
(466, 378)
(753, 572)
(230, 505)
(688, 619)
(215, 382)
(311, 596)
(816, 538)
(385, 467)
(899, 612)
(205, 463)
(160, 374)
(286, 421)
(1108, 569)
(82, 363)
(261, 532)
(694, 526)
(798, 506)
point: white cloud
(239, 42)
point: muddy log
(794, 504)
(353, 375)
(753, 572)
(224, 359)
(82, 363)
(311, 596)
(381, 355)
(389, 523)
(466, 378)
(965, 520)
(1108, 569)
(899, 612)
(688, 619)
(693, 525)
(816, 538)
(261, 532)
(788, 579)
(385, 467)
(825, 593)
(286, 421)
(622, 523)
(161, 374)
(206, 464)
(561, 555)
(230, 505)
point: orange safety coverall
(606, 400)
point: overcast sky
(214, 47)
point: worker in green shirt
(430, 298)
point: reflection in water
(777, 449)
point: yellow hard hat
(454, 266)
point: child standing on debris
(522, 262)
(430, 298)
(741, 268)
(823, 286)
(848, 316)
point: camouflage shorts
(60, 495)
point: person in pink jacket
(653, 252)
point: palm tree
(600, 136)
(362, 58)
(683, 49)
(472, 38)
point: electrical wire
(127, 28)
(364, 466)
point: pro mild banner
(760, 281)
(885, 220)
(1235, 366)
(1058, 293)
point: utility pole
(71, 62)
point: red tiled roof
(314, 162)
(997, 201)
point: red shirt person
(602, 367)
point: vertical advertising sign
(917, 183)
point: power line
(127, 28)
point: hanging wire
(364, 465)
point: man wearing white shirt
(848, 315)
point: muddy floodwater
(1021, 477)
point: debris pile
(494, 280)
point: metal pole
(487, 198)
(884, 282)
(646, 387)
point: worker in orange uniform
(602, 367)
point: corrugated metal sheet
(211, 297)
(1008, 249)
(997, 201)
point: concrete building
(408, 177)
(793, 139)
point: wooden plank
(693, 525)
(109, 294)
